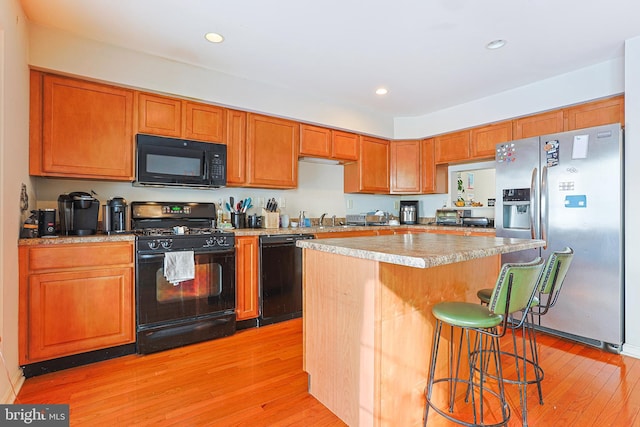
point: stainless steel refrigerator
(567, 189)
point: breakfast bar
(367, 316)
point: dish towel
(179, 266)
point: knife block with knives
(270, 219)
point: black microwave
(164, 161)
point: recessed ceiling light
(214, 37)
(381, 91)
(496, 44)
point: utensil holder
(270, 219)
(238, 219)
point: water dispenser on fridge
(516, 208)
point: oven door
(211, 292)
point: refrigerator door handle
(532, 196)
(544, 206)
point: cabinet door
(597, 113)
(87, 130)
(485, 138)
(272, 152)
(345, 145)
(204, 122)
(370, 174)
(434, 178)
(159, 115)
(341, 234)
(247, 269)
(405, 167)
(452, 147)
(538, 124)
(236, 140)
(315, 141)
(78, 311)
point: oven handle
(143, 256)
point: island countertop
(420, 250)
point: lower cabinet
(247, 270)
(75, 298)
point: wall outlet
(396, 205)
(349, 204)
(282, 203)
(260, 202)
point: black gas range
(185, 275)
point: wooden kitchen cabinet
(434, 178)
(272, 152)
(247, 271)
(316, 141)
(405, 167)
(350, 233)
(344, 145)
(370, 174)
(80, 129)
(538, 124)
(178, 118)
(236, 140)
(485, 138)
(596, 113)
(75, 298)
(452, 147)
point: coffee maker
(408, 212)
(78, 213)
(115, 216)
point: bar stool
(551, 281)
(513, 292)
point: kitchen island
(367, 316)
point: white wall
(14, 152)
(632, 202)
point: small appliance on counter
(115, 216)
(46, 222)
(408, 212)
(448, 217)
(78, 214)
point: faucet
(322, 219)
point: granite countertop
(100, 237)
(420, 250)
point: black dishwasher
(280, 278)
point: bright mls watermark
(34, 415)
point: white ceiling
(430, 54)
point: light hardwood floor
(255, 378)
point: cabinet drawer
(78, 255)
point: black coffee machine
(78, 214)
(115, 216)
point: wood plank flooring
(255, 378)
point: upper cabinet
(595, 113)
(434, 178)
(452, 147)
(485, 138)
(236, 140)
(80, 129)
(316, 141)
(538, 124)
(370, 174)
(272, 152)
(171, 117)
(405, 167)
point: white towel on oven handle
(179, 266)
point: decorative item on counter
(284, 221)
(30, 226)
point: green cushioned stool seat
(466, 315)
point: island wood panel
(368, 332)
